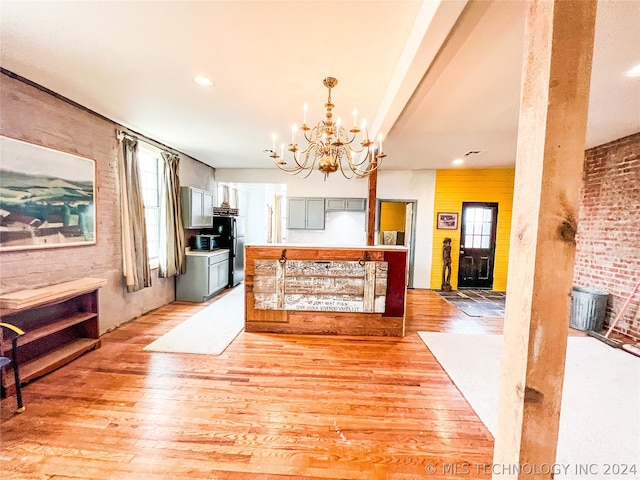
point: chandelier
(331, 146)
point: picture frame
(447, 221)
(47, 197)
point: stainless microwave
(203, 242)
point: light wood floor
(270, 407)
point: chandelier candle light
(331, 146)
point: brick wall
(608, 240)
(35, 116)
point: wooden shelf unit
(60, 325)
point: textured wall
(608, 252)
(32, 115)
(482, 185)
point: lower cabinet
(207, 274)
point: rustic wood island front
(346, 290)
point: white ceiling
(439, 79)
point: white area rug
(209, 331)
(600, 415)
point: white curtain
(234, 198)
(171, 256)
(136, 268)
(277, 219)
(229, 197)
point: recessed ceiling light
(203, 81)
(458, 161)
(634, 72)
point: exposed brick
(607, 253)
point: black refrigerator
(231, 231)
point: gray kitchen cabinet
(297, 213)
(346, 204)
(305, 213)
(207, 274)
(197, 207)
(355, 204)
(315, 213)
(335, 204)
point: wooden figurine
(446, 265)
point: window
(478, 223)
(149, 169)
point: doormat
(476, 303)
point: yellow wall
(456, 186)
(392, 216)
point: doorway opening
(395, 225)
(477, 245)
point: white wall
(340, 228)
(196, 174)
(251, 206)
(313, 186)
(416, 185)
(253, 201)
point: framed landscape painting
(47, 197)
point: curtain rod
(128, 133)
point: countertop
(212, 253)
(331, 247)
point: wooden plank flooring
(270, 407)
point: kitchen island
(339, 290)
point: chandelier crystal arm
(365, 158)
(371, 166)
(344, 134)
(293, 170)
(305, 164)
(350, 173)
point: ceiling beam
(430, 30)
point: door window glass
(478, 222)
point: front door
(477, 245)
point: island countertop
(373, 248)
(345, 289)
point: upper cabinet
(315, 213)
(335, 204)
(347, 204)
(197, 207)
(305, 213)
(355, 204)
(309, 213)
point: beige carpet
(600, 415)
(209, 331)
